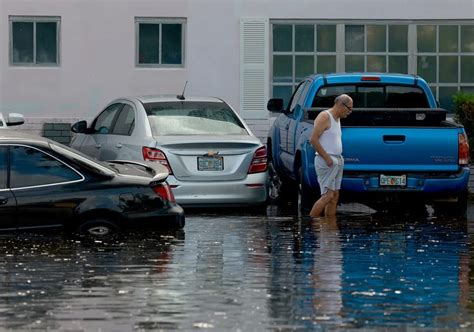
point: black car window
(31, 167)
(3, 167)
(125, 121)
(193, 118)
(104, 121)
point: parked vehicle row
(44, 184)
(212, 156)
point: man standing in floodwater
(326, 139)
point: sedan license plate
(393, 180)
(210, 163)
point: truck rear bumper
(429, 184)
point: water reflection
(238, 271)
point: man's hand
(329, 161)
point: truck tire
(458, 209)
(281, 189)
(306, 196)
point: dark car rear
(47, 185)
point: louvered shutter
(254, 78)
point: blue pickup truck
(399, 149)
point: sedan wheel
(98, 228)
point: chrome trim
(45, 185)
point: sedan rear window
(193, 118)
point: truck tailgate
(400, 149)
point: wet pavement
(246, 272)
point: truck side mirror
(80, 127)
(275, 105)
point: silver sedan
(212, 156)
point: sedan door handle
(3, 200)
(119, 145)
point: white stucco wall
(98, 47)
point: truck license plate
(393, 180)
(210, 163)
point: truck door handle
(98, 145)
(3, 200)
(119, 145)
(394, 138)
(287, 126)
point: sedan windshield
(193, 118)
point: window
(445, 59)
(3, 166)
(193, 118)
(375, 96)
(104, 121)
(299, 50)
(125, 121)
(441, 52)
(34, 41)
(31, 167)
(159, 42)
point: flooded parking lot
(242, 271)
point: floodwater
(242, 272)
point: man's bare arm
(321, 124)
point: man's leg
(321, 204)
(330, 210)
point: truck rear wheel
(458, 208)
(306, 196)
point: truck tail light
(164, 191)
(463, 149)
(370, 78)
(259, 161)
(152, 154)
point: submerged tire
(458, 208)
(98, 228)
(306, 196)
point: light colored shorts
(329, 178)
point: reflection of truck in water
(397, 144)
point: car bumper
(430, 186)
(251, 191)
(172, 217)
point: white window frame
(34, 20)
(412, 52)
(160, 21)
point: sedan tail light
(164, 190)
(259, 161)
(152, 154)
(463, 149)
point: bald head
(342, 106)
(342, 99)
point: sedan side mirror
(275, 105)
(15, 119)
(80, 127)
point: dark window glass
(148, 43)
(104, 121)
(389, 96)
(22, 34)
(46, 43)
(3, 167)
(125, 121)
(171, 44)
(405, 97)
(193, 118)
(30, 167)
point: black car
(44, 184)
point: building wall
(97, 49)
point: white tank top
(331, 138)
